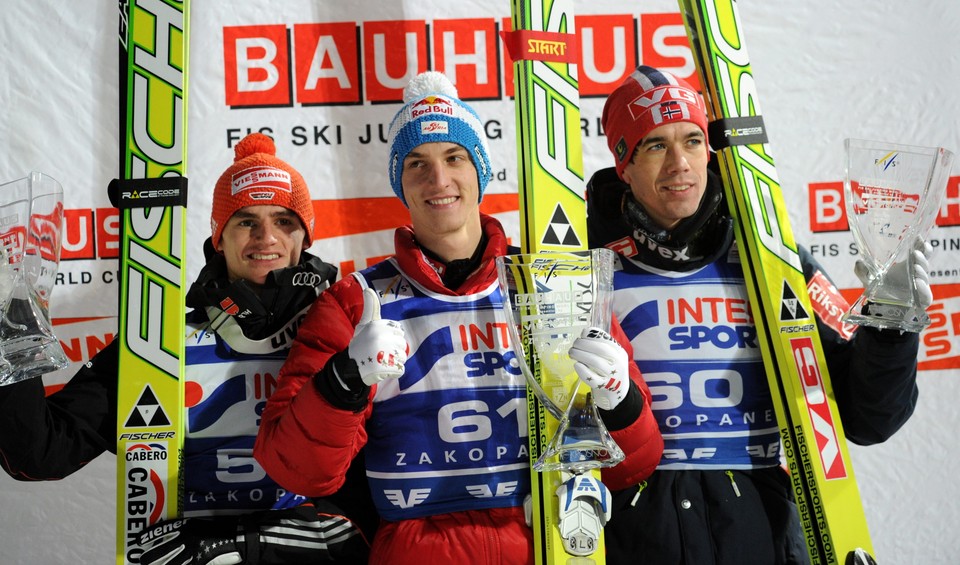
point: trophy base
(577, 460)
(582, 443)
(887, 316)
(29, 358)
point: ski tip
(860, 557)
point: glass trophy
(893, 195)
(549, 299)
(31, 220)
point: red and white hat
(645, 100)
(258, 178)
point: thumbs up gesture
(378, 346)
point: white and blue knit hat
(432, 112)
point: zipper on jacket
(636, 497)
(733, 483)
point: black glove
(303, 534)
(193, 541)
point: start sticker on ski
(527, 45)
(151, 197)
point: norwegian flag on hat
(671, 110)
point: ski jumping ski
(821, 471)
(151, 195)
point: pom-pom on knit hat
(645, 100)
(433, 112)
(258, 178)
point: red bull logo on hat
(431, 105)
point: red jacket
(306, 444)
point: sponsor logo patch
(829, 305)
(434, 127)
(815, 396)
(261, 177)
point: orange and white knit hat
(258, 178)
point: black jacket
(749, 517)
(48, 438)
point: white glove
(602, 364)
(378, 346)
(898, 276)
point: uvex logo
(805, 357)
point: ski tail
(151, 195)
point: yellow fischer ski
(151, 195)
(821, 471)
(544, 51)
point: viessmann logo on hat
(260, 177)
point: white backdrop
(825, 71)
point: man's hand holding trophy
(893, 194)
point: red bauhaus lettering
(664, 45)
(43, 238)
(508, 91)
(328, 63)
(609, 52)
(950, 210)
(828, 213)
(827, 207)
(256, 63)
(108, 233)
(940, 342)
(356, 62)
(90, 234)
(464, 50)
(77, 237)
(393, 53)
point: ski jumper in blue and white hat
(433, 113)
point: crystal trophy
(893, 195)
(31, 220)
(549, 299)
